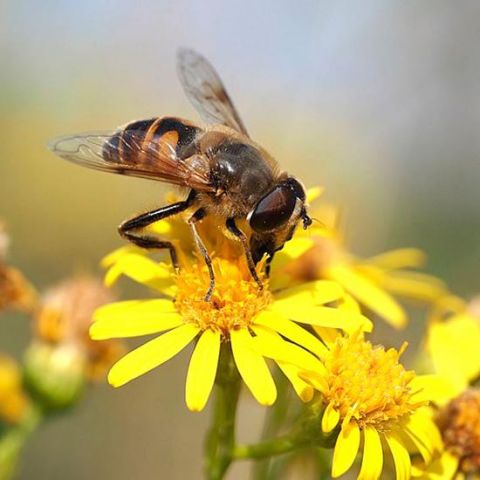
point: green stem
(221, 437)
(275, 417)
(268, 448)
(13, 440)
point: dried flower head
(65, 316)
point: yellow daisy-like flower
(368, 393)
(374, 282)
(258, 324)
(453, 340)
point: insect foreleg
(240, 236)
(198, 215)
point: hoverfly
(227, 173)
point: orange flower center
(367, 383)
(236, 299)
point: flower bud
(55, 375)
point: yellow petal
(346, 449)
(117, 254)
(162, 227)
(291, 331)
(414, 285)
(313, 193)
(134, 318)
(434, 388)
(269, 344)
(293, 249)
(139, 308)
(151, 355)
(202, 370)
(453, 347)
(328, 335)
(372, 462)
(330, 418)
(302, 388)
(318, 292)
(142, 270)
(322, 316)
(421, 423)
(400, 258)
(400, 455)
(252, 367)
(441, 468)
(133, 327)
(369, 294)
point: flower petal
(330, 418)
(399, 258)
(400, 455)
(116, 255)
(414, 285)
(133, 327)
(134, 318)
(318, 292)
(142, 270)
(313, 193)
(433, 388)
(346, 449)
(372, 462)
(151, 355)
(252, 367)
(291, 331)
(269, 344)
(302, 388)
(323, 316)
(453, 347)
(369, 294)
(202, 370)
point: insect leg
(268, 264)
(198, 215)
(239, 235)
(128, 229)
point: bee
(226, 173)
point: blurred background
(377, 101)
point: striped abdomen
(166, 135)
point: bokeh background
(377, 101)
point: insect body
(227, 174)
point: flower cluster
(310, 320)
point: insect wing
(205, 90)
(127, 153)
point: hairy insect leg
(198, 215)
(240, 236)
(129, 228)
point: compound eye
(273, 210)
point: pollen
(236, 299)
(459, 422)
(368, 383)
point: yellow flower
(256, 324)
(13, 400)
(374, 282)
(453, 340)
(368, 393)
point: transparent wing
(205, 90)
(127, 153)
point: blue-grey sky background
(377, 101)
